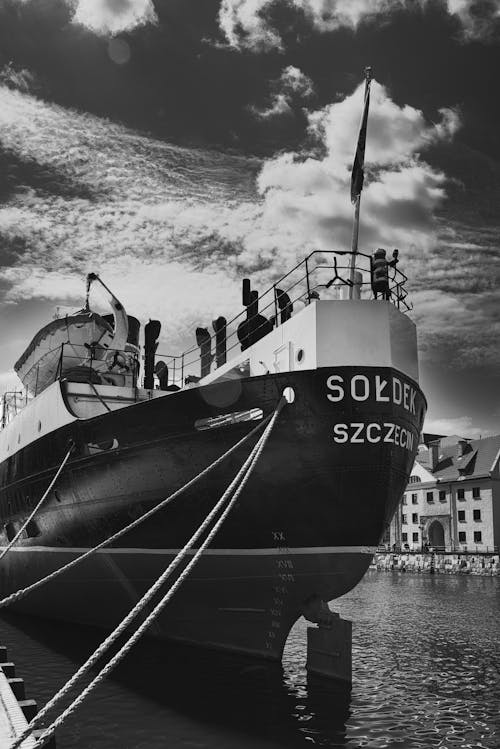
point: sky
(175, 146)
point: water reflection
(426, 660)
(160, 688)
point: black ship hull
(305, 526)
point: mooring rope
(40, 503)
(241, 478)
(22, 592)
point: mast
(357, 177)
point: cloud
(308, 196)
(252, 24)
(480, 19)
(293, 88)
(173, 230)
(161, 223)
(177, 294)
(244, 25)
(463, 426)
(18, 78)
(247, 23)
(111, 17)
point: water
(426, 659)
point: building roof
(427, 438)
(478, 459)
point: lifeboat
(82, 347)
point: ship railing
(322, 275)
(13, 403)
(82, 363)
(96, 365)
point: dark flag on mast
(358, 174)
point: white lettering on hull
(362, 388)
(357, 433)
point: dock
(15, 710)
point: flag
(358, 175)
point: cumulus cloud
(293, 87)
(308, 197)
(251, 24)
(246, 23)
(110, 17)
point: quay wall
(451, 564)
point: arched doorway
(436, 534)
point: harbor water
(426, 673)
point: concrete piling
(329, 650)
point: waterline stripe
(209, 552)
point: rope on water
(40, 503)
(20, 594)
(237, 486)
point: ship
(331, 341)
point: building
(452, 501)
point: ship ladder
(229, 498)
(40, 503)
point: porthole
(300, 355)
(32, 529)
(39, 426)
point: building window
(403, 519)
(476, 514)
(414, 499)
(477, 537)
(404, 537)
(415, 537)
(442, 495)
(462, 537)
(461, 516)
(415, 479)
(476, 492)
(414, 517)
(404, 499)
(430, 497)
(460, 493)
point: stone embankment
(454, 564)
